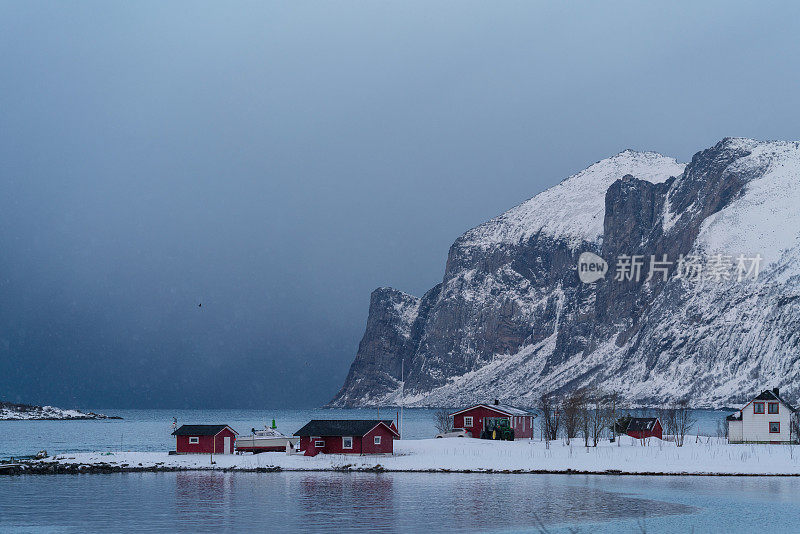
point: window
(377, 440)
(772, 407)
(774, 427)
(468, 421)
(319, 443)
(347, 443)
(194, 440)
(758, 407)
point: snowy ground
(708, 456)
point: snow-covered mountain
(511, 319)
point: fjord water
(395, 502)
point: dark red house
(644, 427)
(205, 439)
(483, 416)
(347, 436)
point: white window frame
(343, 442)
(319, 442)
(468, 421)
(194, 440)
(376, 440)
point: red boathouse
(482, 416)
(347, 436)
(645, 427)
(205, 439)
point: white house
(765, 419)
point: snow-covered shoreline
(25, 412)
(708, 456)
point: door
(227, 445)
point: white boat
(267, 440)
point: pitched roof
(770, 395)
(503, 408)
(639, 424)
(201, 430)
(343, 427)
(735, 416)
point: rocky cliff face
(511, 319)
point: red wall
(206, 444)
(387, 441)
(523, 425)
(657, 432)
(361, 445)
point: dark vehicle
(498, 428)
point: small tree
(444, 423)
(572, 408)
(550, 419)
(620, 425)
(794, 427)
(684, 421)
(611, 415)
(722, 428)
(599, 415)
(586, 420)
(669, 421)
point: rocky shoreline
(54, 468)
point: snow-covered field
(706, 456)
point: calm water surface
(395, 502)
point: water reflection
(204, 498)
(392, 502)
(345, 500)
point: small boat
(267, 440)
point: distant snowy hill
(16, 412)
(511, 319)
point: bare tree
(611, 415)
(620, 424)
(585, 418)
(599, 414)
(669, 420)
(444, 423)
(684, 420)
(722, 428)
(550, 419)
(794, 427)
(572, 409)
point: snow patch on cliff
(574, 209)
(765, 219)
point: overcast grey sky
(277, 161)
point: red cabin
(645, 427)
(204, 439)
(347, 436)
(481, 416)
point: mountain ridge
(511, 320)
